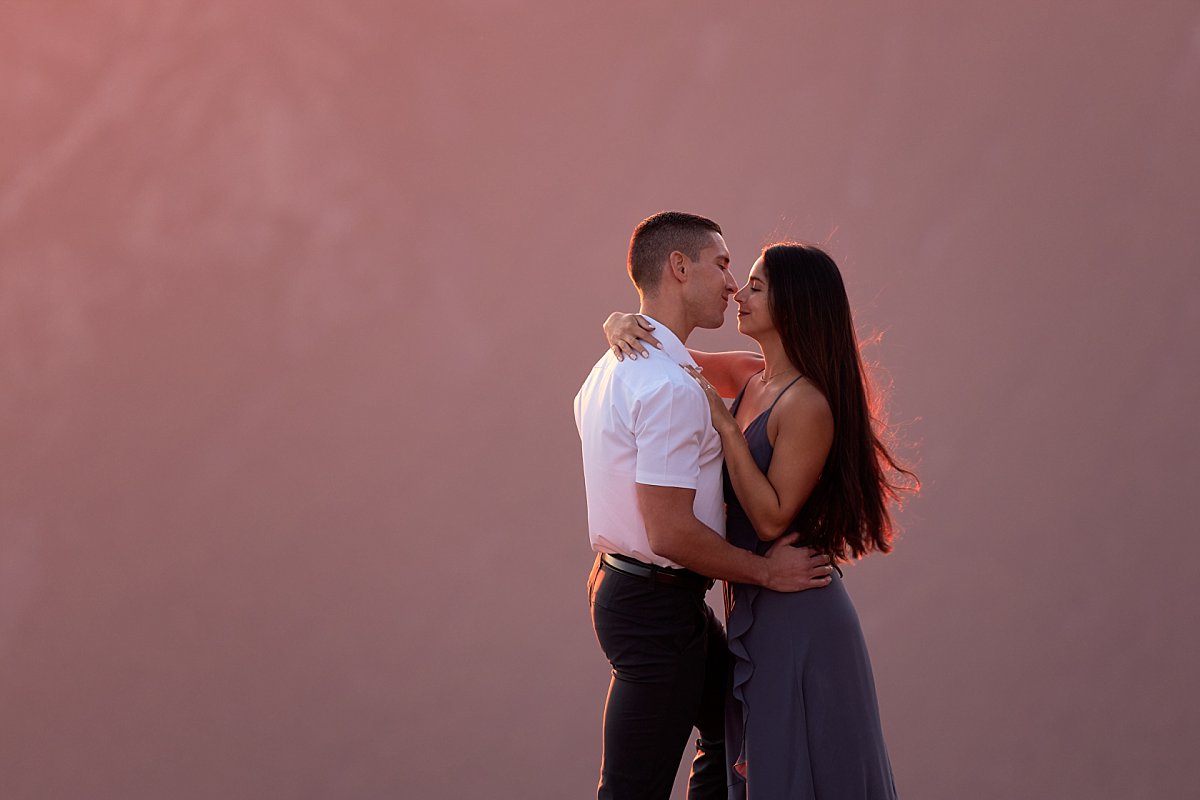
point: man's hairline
(665, 263)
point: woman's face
(754, 313)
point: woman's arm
(630, 334)
(728, 371)
(804, 434)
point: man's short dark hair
(656, 237)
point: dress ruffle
(738, 624)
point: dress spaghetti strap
(776, 400)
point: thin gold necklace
(765, 379)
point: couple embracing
(767, 496)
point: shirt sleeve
(669, 423)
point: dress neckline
(738, 400)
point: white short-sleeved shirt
(645, 421)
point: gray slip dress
(802, 720)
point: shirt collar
(670, 342)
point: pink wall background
(294, 297)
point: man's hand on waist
(794, 569)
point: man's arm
(676, 534)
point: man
(656, 517)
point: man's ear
(677, 265)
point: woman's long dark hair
(847, 513)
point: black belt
(683, 578)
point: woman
(800, 454)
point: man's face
(710, 284)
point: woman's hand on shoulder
(722, 420)
(628, 335)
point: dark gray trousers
(670, 667)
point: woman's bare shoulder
(805, 404)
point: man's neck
(673, 318)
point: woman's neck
(776, 360)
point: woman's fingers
(622, 348)
(638, 333)
(708, 387)
(644, 325)
(631, 339)
(628, 347)
(700, 379)
(628, 335)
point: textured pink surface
(294, 297)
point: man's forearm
(692, 544)
(675, 533)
